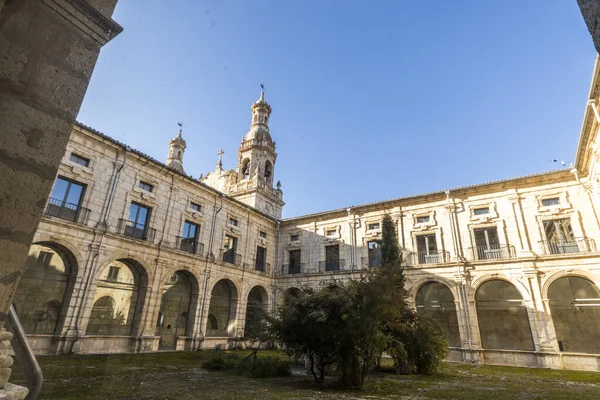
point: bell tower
(256, 164)
(176, 149)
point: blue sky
(371, 100)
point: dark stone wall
(590, 9)
(48, 50)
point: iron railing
(428, 257)
(331, 265)
(230, 257)
(136, 231)
(370, 262)
(69, 211)
(575, 245)
(189, 245)
(493, 252)
(262, 266)
(292, 269)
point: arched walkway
(178, 293)
(256, 308)
(222, 309)
(41, 296)
(575, 307)
(123, 281)
(503, 320)
(436, 302)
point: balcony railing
(331, 265)
(69, 211)
(292, 269)
(136, 231)
(261, 266)
(492, 252)
(189, 245)
(428, 257)
(575, 245)
(231, 257)
(370, 262)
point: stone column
(49, 50)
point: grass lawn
(180, 376)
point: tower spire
(176, 149)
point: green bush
(221, 362)
(271, 367)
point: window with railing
(488, 247)
(374, 253)
(559, 237)
(189, 238)
(261, 258)
(137, 224)
(230, 249)
(295, 262)
(427, 251)
(65, 201)
(332, 258)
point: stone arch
(46, 287)
(416, 285)
(476, 284)
(435, 301)
(561, 274)
(268, 172)
(179, 300)
(575, 306)
(223, 306)
(245, 168)
(257, 306)
(502, 317)
(126, 281)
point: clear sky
(371, 100)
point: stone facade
(144, 257)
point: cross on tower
(219, 163)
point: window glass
(138, 214)
(262, 234)
(550, 202)
(481, 211)
(423, 219)
(295, 237)
(233, 221)
(146, 186)
(76, 158)
(195, 206)
(374, 226)
(190, 230)
(67, 191)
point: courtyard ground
(167, 376)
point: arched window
(575, 308)
(503, 320)
(268, 170)
(223, 303)
(436, 302)
(245, 169)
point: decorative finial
(278, 185)
(180, 129)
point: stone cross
(220, 153)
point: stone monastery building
(133, 255)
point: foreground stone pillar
(48, 52)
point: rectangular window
(261, 258)
(77, 159)
(148, 187)
(294, 237)
(65, 200)
(230, 249)
(295, 262)
(233, 222)
(559, 236)
(487, 244)
(332, 258)
(374, 249)
(481, 211)
(189, 237)
(374, 226)
(195, 206)
(262, 234)
(427, 251)
(550, 202)
(330, 232)
(423, 219)
(113, 274)
(137, 225)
